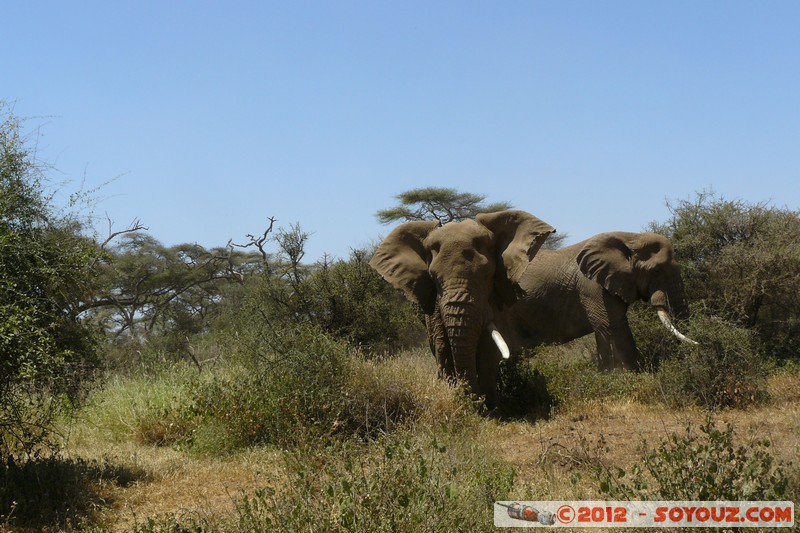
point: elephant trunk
(463, 334)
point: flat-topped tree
(438, 203)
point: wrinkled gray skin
(463, 276)
(587, 287)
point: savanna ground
(134, 464)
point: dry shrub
(381, 395)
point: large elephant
(463, 275)
(587, 287)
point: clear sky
(589, 114)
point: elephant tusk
(664, 317)
(499, 341)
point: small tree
(438, 203)
(45, 264)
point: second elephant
(587, 287)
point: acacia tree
(438, 203)
(448, 205)
(147, 287)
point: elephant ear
(518, 236)
(608, 259)
(402, 260)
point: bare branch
(135, 226)
(258, 242)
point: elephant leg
(488, 366)
(615, 345)
(623, 348)
(597, 313)
(605, 359)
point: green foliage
(404, 482)
(345, 299)
(522, 391)
(287, 383)
(148, 408)
(349, 300)
(438, 203)
(146, 289)
(654, 342)
(570, 374)
(724, 370)
(701, 467)
(46, 354)
(742, 261)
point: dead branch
(135, 226)
(259, 242)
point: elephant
(587, 287)
(463, 275)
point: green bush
(403, 482)
(742, 261)
(46, 354)
(571, 375)
(284, 380)
(724, 370)
(701, 467)
(522, 391)
(654, 342)
(349, 300)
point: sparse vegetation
(699, 467)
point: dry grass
(173, 481)
(552, 458)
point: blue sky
(214, 116)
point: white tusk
(664, 316)
(499, 341)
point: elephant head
(460, 274)
(637, 266)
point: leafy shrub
(522, 391)
(571, 375)
(699, 467)
(724, 370)
(348, 299)
(742, 261)
(285, 379)
(653, 341)
(46, 354)
(403, 482)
